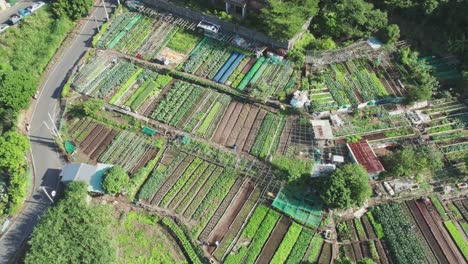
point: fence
(242, 31)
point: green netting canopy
(308, 212)
(69, 147)
(148, 131)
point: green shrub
(439, 207)
(377, 227)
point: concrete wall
(247, 33)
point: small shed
(362, 153)
(90, 174)
(300, 99)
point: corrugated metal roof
(365, 156)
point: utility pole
(105, 10)
(54, 128)
(53, 193)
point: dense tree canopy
(284, 19)
(16, 89)
(13, 146)
(73, 231)
(350, 18)
(115, 179)
(411, 161)
(73, 9)
(346, 187)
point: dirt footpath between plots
(223, 225)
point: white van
(36, 6)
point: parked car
(15, 19)
(24, 12)
(36, 6)
(3, 27)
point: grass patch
(184, 41)
(140, 239)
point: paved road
(47, 163)
(5, 14)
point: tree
(73, 231)
(92, 106)
(411, 161)
(350, 18)
(73, 9)
(7, 119)
(390, 34)
(16, 89)
(115, 180)
(346, 187)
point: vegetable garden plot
(191, 108)
(91, 137)
(368, 124)
(145, 37)
(101, 81)
(403, 243)
(224, 64)
(350, 83)
(256, 233)
(192, 187)
(129, 150)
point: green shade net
(69, 147)
(148, 131)
(305, 208)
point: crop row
(183, 240)
(457, 237)
(213, 199)
(184, 180)
(300, 247)
(403, 243)
(287, 244)
(126, 150)
(248, 233)
(157, 178)
(188, 194)
(268, 136)
(200, 197)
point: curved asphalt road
(47, 162)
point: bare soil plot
(357, 250)
(349, 252)
(253, 131)
(241, 139)
(238, 126)
(230, 123)
(227, 115)
(97, 141)
(227, 219)
(368, 228)
(326, 254)
(352, 230)
(426, 230)
(91, 136)
(104, 144)
(274, 240)
(444, 239)
(382, 255)
(365, 249)
(150, 154)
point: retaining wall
(242, 31)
